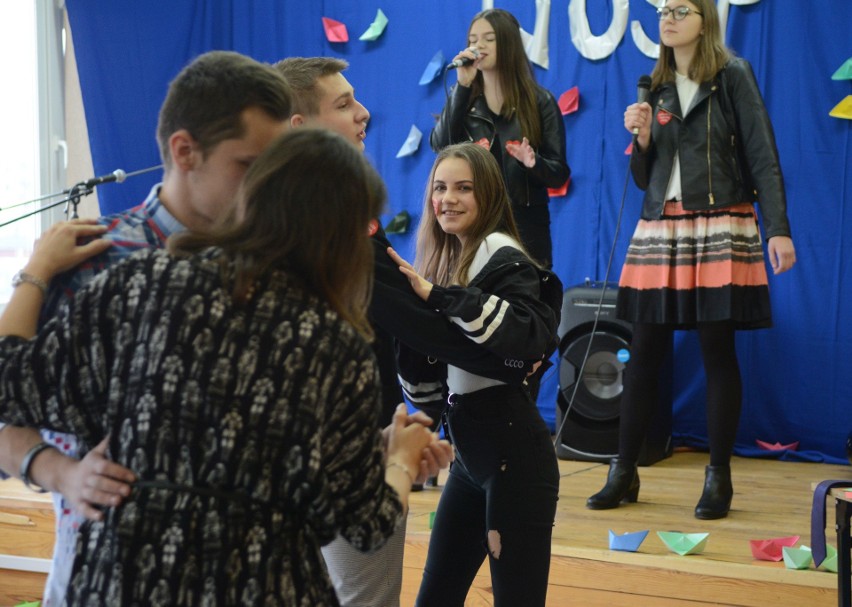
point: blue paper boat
(628, 542)
(433, 68)
(684, 543)
(797, 558)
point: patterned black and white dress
(252, 430)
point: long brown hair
(441, 258)
(515, 72)
(711, 54)
(305, 207)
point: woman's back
(251, 430)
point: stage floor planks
(771, 499)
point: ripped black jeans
(499, 501)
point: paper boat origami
(844, 72)
(335, 31)
(776, 446)
(684, 543)
(770, 550)
(797, 558)
(830, 561)
(627, 542)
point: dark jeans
(501, 494)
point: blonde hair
(441, 258)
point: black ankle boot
(715, 501)
(622, 485)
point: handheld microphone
(643, 88)
(117, 175)
(463, 61)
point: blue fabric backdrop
(796, 387)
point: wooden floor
(771, 499)
(27, 531)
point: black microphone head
(643, 87)
(464, 61)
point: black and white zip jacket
(511, 309)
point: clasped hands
(435, 455)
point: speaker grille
(590, 431)
(598, 395)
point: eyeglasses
(678, 13)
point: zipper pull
(712, 199)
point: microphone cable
(447, 69)
(643, 88)
(444, 73)
(597, 309)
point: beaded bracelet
(27, 463)
(24, 278)
(403, 467)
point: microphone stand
(71, 201)
(72, 196)
(78, 191)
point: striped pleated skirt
(691, 267)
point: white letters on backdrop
(536, 45)
(591, 46)
(599, 47)
(648, 47)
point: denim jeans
(499, 501)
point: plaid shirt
(143, 226)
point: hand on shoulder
(58, 248)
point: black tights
(649, 347)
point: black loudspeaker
(590, 432)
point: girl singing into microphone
(498, 105)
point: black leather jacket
(396, 310)
(525, 332)
(462, 121)
(726, 147)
